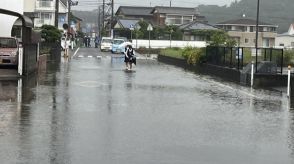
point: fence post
(242, 58)
(231, 59)
(271, 53)
(252, 73)
(265, 54)
(224, 56)
(238, 57)
(282, 61)
(289, 77)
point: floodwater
(89, 110)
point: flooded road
(89, 110)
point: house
(174, 15)
(43, 12)
(135, 12)
(197, 31)
(286, 40)
(123, 27)
(244, 32)
(160, 15)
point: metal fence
(239, 57)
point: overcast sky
(93, 4)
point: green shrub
(288, 57)
(193, 55)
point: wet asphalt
(90, 110)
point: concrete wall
(167, 43)
(8, 21)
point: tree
(50, 33)
(221, 38)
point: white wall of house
(285, 41)
(7, 21)
(166, 43)
(29, 6)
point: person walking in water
(129, 57)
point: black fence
(239, 57)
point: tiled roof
(126, 23)
(175, 10)
(243, 21)
(135, 10)
(196, 25)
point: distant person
(130, 57)
(96, 41)
(88, 41)
(85, 41)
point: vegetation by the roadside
(143, 50)
(172, 52)
(191, 54)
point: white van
(106, 44)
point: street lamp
(256, 38)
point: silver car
(8, 51)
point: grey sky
(93, 4)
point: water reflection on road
(91, 111)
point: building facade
(175, 15)
(160, 15)
(244, 32)
(43, 12)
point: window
(246, 40)
(266, 42)
(178, 19)
(282, 44)
(252, 29)
(292, 44)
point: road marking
(80, 56)
(90, 56)
(76, 52)
(99, 57)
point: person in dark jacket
(129, 57)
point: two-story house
(43, 12)
(135, 12)
(244, 32)
(174, 15)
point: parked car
(9, 49)
(106, 44)
(116, 48)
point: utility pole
(56, 13)
(256, 38)
(170, 3)
(103, 14)
(69, 10)
(112, 19)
